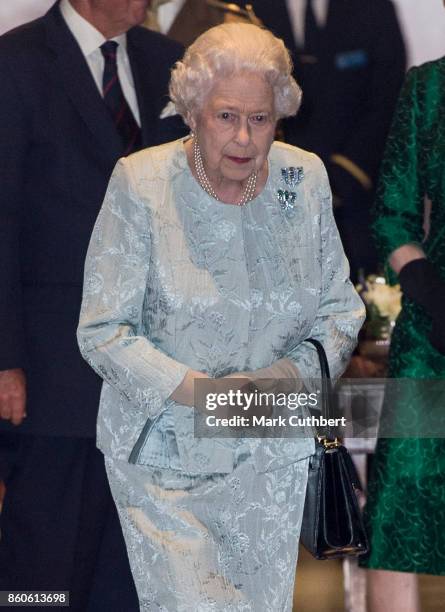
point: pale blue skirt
(211, 543)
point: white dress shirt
(297, 10)
(89, 40)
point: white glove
(282, 376)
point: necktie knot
(109, 50)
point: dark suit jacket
(350, 85)
(58, 146)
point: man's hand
(13, 395)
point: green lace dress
(405, 512)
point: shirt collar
(88, 38)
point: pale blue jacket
(175, 279)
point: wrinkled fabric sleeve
(115, 280)
(341, 311)
(399, 207)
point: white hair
(227, 50)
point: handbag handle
(326, 385)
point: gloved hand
(281, 377)
(421, 283)
(185, 392)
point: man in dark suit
(349, 59)
(80, 87)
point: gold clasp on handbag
(327, 443)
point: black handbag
(332, 521)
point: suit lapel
(337, 36)
(144, 88)
(282, 25)
(285, 31)
(276, 18)
(77, 81)
(336, 18)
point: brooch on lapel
(292, 177)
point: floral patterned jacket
(175, 279)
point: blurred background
(423, 23)
(322, 586)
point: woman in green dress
(406, 499)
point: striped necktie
(115, 101)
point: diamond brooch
(292, 177)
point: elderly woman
(213, 255)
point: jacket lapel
(282, 25)
(77, 81)
(144, 88)
(336, 18)
(276, 18)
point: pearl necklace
(203, 179)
